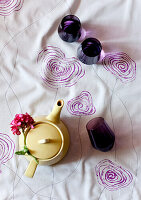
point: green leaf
(20, 152)
(24, 151)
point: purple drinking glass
(69, 29)
(101, 136)
(89, 51)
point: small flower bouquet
(20, 123)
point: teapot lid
(45, 141)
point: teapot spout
(54, 116)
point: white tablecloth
(27, 29)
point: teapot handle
(31, 169)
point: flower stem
(26, 149)
(24, 136)
(24, 140)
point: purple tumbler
(101, 136)
(89, 51)
(69, 29)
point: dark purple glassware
(69, 29)
(101, 136)
(89, 51)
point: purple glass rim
(95, 42)
(69, 29)
(89, 51)
(69, 17)
(95, 123)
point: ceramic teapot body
(48, 141)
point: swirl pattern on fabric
(81, 105)
(112, 176)
(120, 65)
(57, 70)
(9, 6)
(7, 148)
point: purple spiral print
(9, 6)
(57, 70)
(7, 148)
(120, 65)
(81, 105)
(112, 176)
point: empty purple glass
(89, 51)
(101, 136)
(69, 29)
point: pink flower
(21, 121)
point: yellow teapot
(48, 141)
